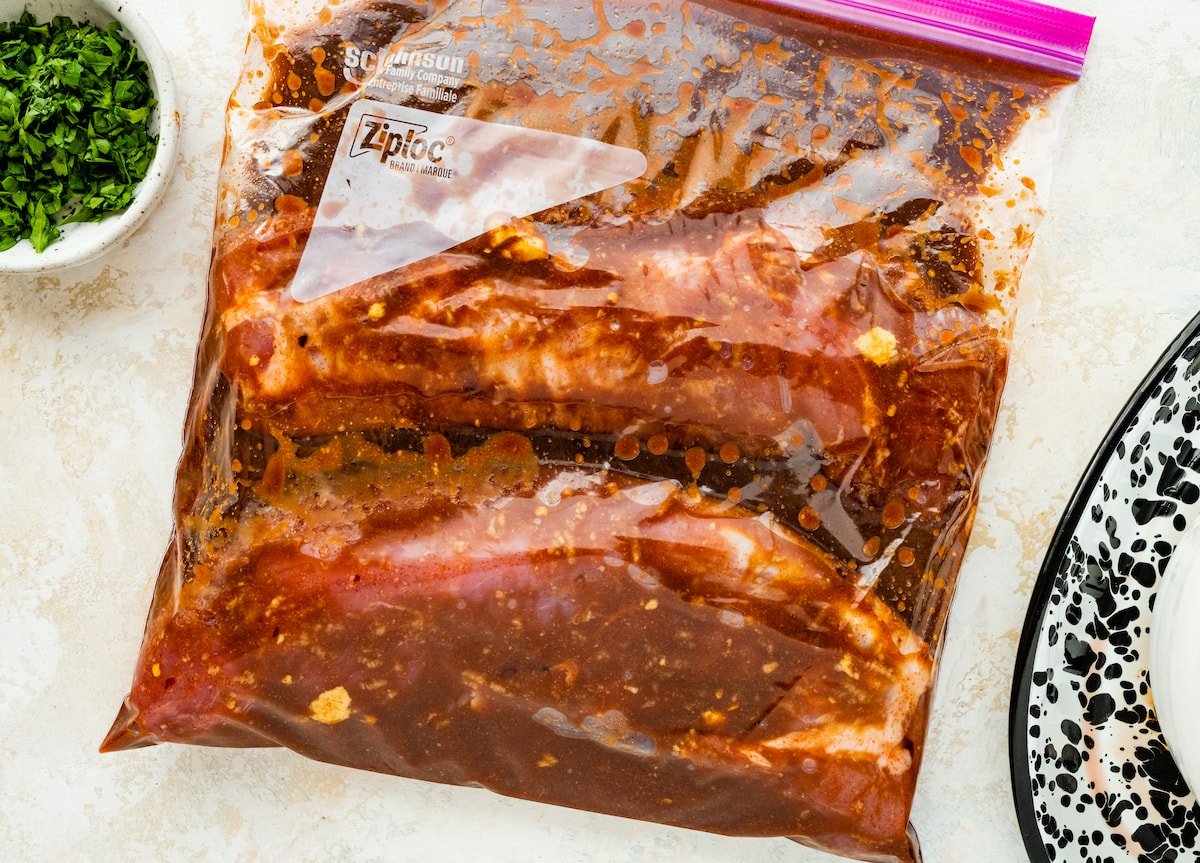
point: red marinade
(650, 503)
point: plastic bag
(593, 397)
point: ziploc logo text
(396, 142)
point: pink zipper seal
(1019, 30)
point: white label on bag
(406, 184)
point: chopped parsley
(75, 141)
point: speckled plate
(1092, 778)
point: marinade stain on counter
(667, 486)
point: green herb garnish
(75, 103)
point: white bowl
(1175, 655)
(82, 242)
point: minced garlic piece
(878, 345)
(757, 758)
(846, 666)
(331, 706)
(519, 241)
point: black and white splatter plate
(1092, 777)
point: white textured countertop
(95, 365)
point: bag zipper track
(1019, 30)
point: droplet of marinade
(893, 514)
(627, 448)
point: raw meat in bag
(592, 398)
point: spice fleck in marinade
(650, 503)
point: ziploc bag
(592, 397)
